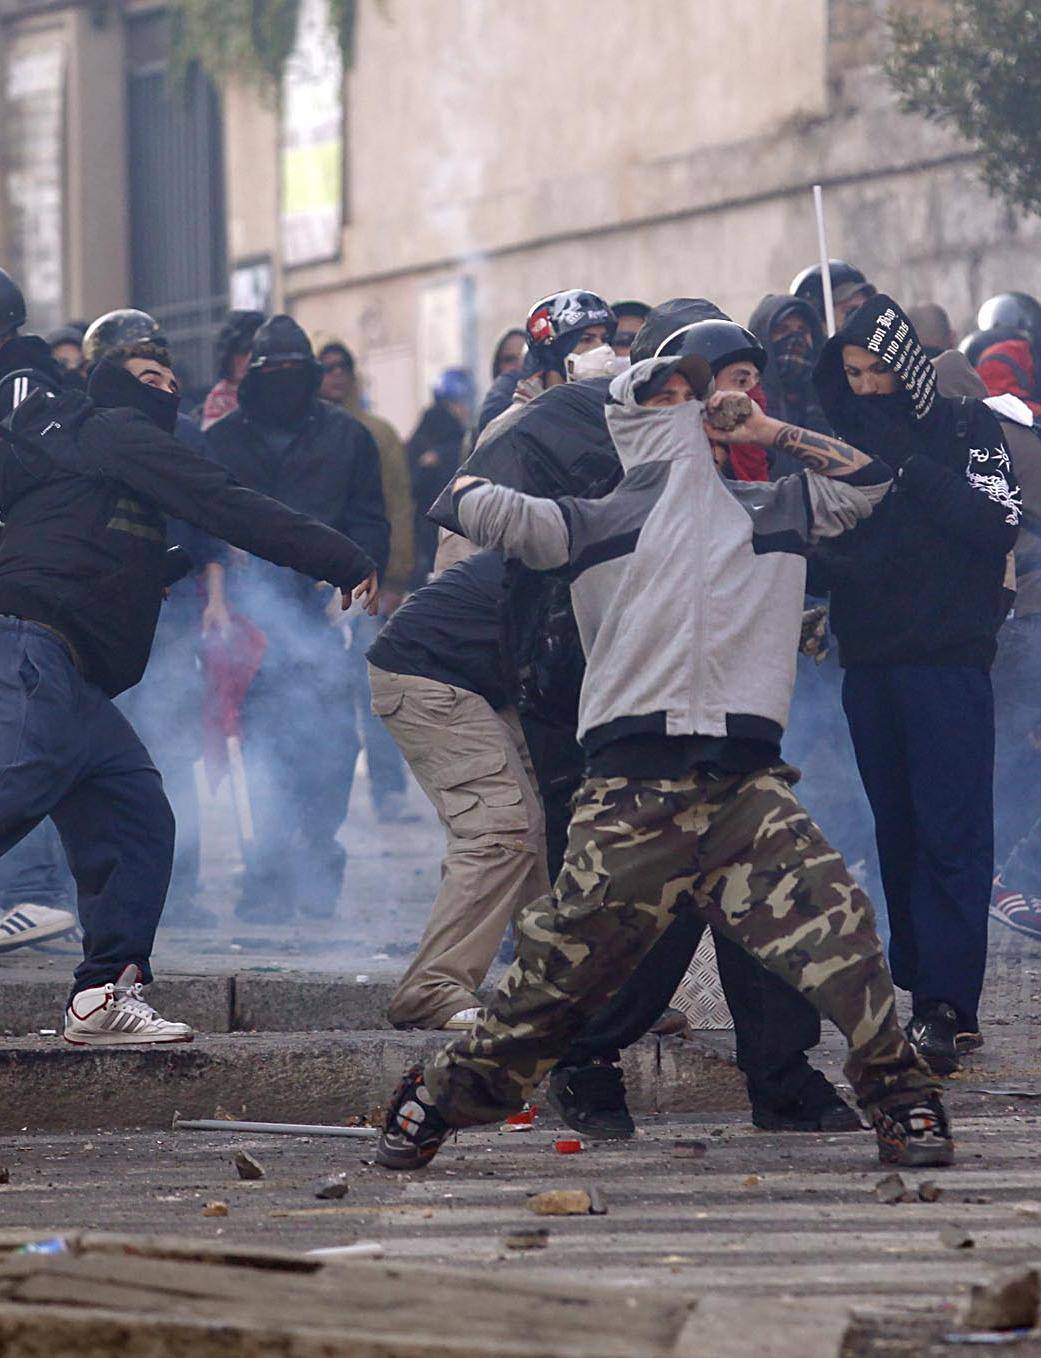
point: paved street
(763, 1214)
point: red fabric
(748, 460)
(230, 662)
(222, 399)
(1000, 379)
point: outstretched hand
(367, 594)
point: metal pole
(272, 1128)
(822, 245)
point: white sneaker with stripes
(118, 1015)
(26, 924)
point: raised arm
(130, 448)
(820, 453)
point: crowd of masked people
(921, 671)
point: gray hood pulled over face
(687, 588)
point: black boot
(815, 1106)
(591, 1100)
(933, 1032)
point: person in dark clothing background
(300, 739)
(233, 349)
(84, 488)
(434, 453)
(849, 289)
(629, 316)
(1011, 362)
(508, 354)
(1016, 902)
(564, 323)
(917, 597)
(37, 895)
(790, 331)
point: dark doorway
(177, 233)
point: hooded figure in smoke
(917, 597)
(300, 737)
(790, 331)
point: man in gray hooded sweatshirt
(688, 593)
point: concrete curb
(46, 1084)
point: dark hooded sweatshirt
(921, 581)
(793, 402)
(84, 500)
(313, 456)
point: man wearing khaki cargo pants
(436, 677)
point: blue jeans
(67, 753)
(924, 741)
(35, 872)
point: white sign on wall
(312, 140)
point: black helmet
(977, 342)
(12, 305)
(1016, 310)
(119, 327)
(723, 342)
(661, 333)
(566, 313)
(845, 279)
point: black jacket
(921, 581)
(450, 630)
(795, 405)
(328, 468)
(441, 435)
(553, 446)
(29, 355)
(84, 542)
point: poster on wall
(33, 157)
(251, 285)
(311, 208)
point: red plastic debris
(566, 1147)
(524, 1118)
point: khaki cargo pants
(473, 764)
(741, 852)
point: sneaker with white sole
(461, 1021)
(118, 1015)
(1015, 910)
(26, 924)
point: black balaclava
(281, 395)
(112, 387)
(283, 377)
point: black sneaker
(933, 1033)
(591, 1100)
(816, 1107)
(968, 1041)
(413, 1130)
(917, 1133)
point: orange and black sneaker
(914, 1133)
(413, 1130)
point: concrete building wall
(641, 148)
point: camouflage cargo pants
(742, 852)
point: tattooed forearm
(830, 457)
